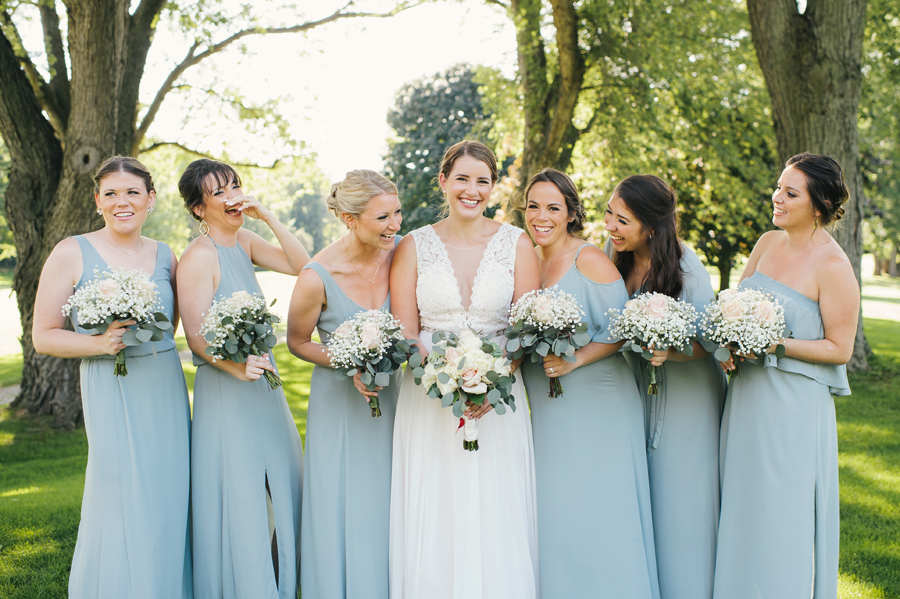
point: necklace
(137, 251)
(350, 260)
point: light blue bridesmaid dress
(595, 527)
(682, 423)
(133, 539)
(346, 475)
(779, 527)
(245, 441)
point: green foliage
(879, 127)
(7, 244)
(431, 114)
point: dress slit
(273, 533)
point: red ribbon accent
(462, 423)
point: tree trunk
(811, 63)
(548, 101)
(892, 263)
(725, 268)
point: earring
(204, 228)
(149, 209)
(100, 211)
(651, 235)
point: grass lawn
(42, 477)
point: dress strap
(575, 259)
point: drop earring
(204, 228)
(149, 209)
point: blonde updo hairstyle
(351, 196)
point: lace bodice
(437, 290)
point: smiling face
(792, 205)
(218, 192)
(625, 230)
(546, 214)
(468, 187)
(124, 200)
(379, 222)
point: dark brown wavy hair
(569, 192)
(192, 184)
(653, 204)
(825, 184)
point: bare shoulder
(833, 266)
(768, 240)
(595, 265)
(200, 251)
(65, 257)
(406, 247)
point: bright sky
(340, 79)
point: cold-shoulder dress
(595, 527)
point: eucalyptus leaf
(446, 400)
(722, 354)
(366, 378)
(543, 348)
(581, 339)
(443, 377)
(500, 408)
(143, 335)
(382, 379)
(458, 409)
(513, 344)
(415, 360)
(130, 338)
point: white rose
(448, 387)
(657, 307)
(542, 309)
(765, 312)
(109, 287)
(469, 341)
(370, 336)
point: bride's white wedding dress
(463, 523)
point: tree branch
(192, 57)
(58, 87)
(184, 148)
(38, 86)
(497, 3)
(142, 26)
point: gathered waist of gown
(139, 351)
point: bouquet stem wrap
(470, 434)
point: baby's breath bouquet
(657, 321)
(238, 326)
(746, 322)
(373, 344)
(120, 294)
(466, 368)
(546, 321)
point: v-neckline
(347, 295)
(477, 272)
(108, 267)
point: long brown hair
(653, 203)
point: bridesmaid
(347, 472)
(593, 500)
(683, 455)
(778, 532)
(133, 537)
(246, 458)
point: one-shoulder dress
(346, 475)
(245, 442)
(133, 539)
(463, 523)
(595, 527)
(779, 526)
(683, 423)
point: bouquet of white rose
(120, 294)
(373, 344)
(546, 321)
(657, 321)
(747, 322)
(238, 326)
(465, 368)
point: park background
(711, 95)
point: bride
(463, 523)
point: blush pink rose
(543, 309)
(726, 293)
(732, 309)
(657, 307)
(453, 356)
(369, 335)
(109, 287)
(472, 382)
(630, 304)
(765, 312)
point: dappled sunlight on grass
(17, 492)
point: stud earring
(100, 211)
(149, 209)
(204, 228)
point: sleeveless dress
(682, 424)
(779, 527)
(594, 520)
(346, 475)
(245, 439)
(133, 539)
(463, 522)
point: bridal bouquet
(465, 368)
(546, 321)
(238, 326)
(372, 343)
(657, 321)
(747, 322)
(120, 294)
